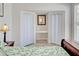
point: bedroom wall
(39, 9)
(7, 19)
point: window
(76, 23)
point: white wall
(7, 19)
(39, 9)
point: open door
(56, 27)
(27, 28)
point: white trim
(48, 16)
(35, 28)
(75, 25)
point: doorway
(56, 26)
(42, 29)
(52, 32)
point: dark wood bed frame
(72, 51)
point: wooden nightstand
(9, 43)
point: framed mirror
(41, 19)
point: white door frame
(22, 12)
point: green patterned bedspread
(35, 51)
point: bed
(73, 51)
(33, 51)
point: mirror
(41, 19)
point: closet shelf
(41, 31)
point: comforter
(33, 51)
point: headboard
(69, 48)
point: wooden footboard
(69, 48)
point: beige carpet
(42, 44)
(42, 41)
(45, 44)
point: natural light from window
(76, 22)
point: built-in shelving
(41, 31)
(42, 36)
